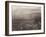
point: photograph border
(7, 17)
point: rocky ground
(26, 24)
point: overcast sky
(25, 11)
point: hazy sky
(25, 11)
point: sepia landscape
(26, 18)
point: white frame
(27, 31)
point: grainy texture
(26, 18)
